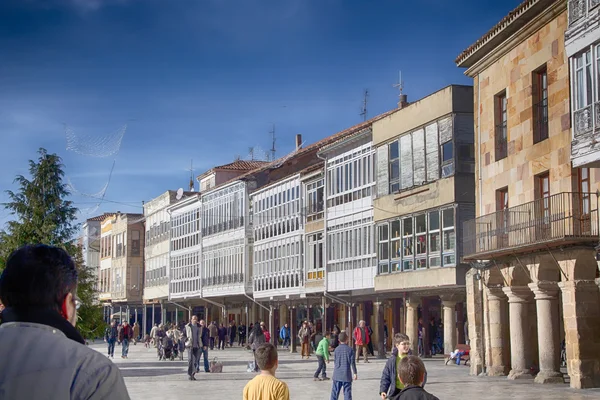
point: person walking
(205, 340)
(242, 334)
(222, 334)
(344, 370)
(257, 337)
(125, 336)
(214, 333)
(322, 354)
(136, 332)
(284, 335)
(38, 287)
(304, 336)
(110, 337)
(153, 334)
(362, 340)
(193, 344)
(231, 332)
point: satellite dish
(179, 194)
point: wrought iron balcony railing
(561, 219)
(579, 9)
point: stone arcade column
(379, 313)
(449, 325)
(546, 299)
(412, 322)
(293, 329)
(497, 365)
(520, 352)
(581, 314)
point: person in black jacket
(411, 372)
(390, 384)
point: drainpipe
(326, 256)
(269, 309)
(223, 308)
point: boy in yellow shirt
(265, 386)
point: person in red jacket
(362, 340)
(124, 337)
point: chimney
(298, 141)
(402, 101)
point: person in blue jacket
(284, 335)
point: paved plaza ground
(149, 379)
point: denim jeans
(338, 386)
(212, 343)
(202, 352)
(286, 342)
(322, 367)
(111, 346)
(125, 345)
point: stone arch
(585, 266)
(518, 275)
(546, 269)
(494, 277)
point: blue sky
(205, 79)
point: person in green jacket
(322, 354)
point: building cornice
(508, 40)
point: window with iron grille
(501, 134)
(540, 105)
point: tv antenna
(272, 132)
(179, 194)
(363, 111)
(191, 176)
(399, 85)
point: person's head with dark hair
(267, 358)
(258, 330)
(402, 343)
(411, 371)
(343, 337)
(40, 277)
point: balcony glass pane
(395, 229)
(434, 220)
(448, 217)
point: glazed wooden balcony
(559, 220)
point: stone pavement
(149, 379)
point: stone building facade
(532, 243)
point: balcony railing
(585, 118)
(501, 141)
(561, 219)
(578, 9)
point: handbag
(215, 366)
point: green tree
(43, 214)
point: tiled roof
(313, 147)
(237, 165)
(243, 165)
(499, 27)
(99, 217)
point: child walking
(344, 368)
(265, 386)
(411, 372)
(322, 357)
